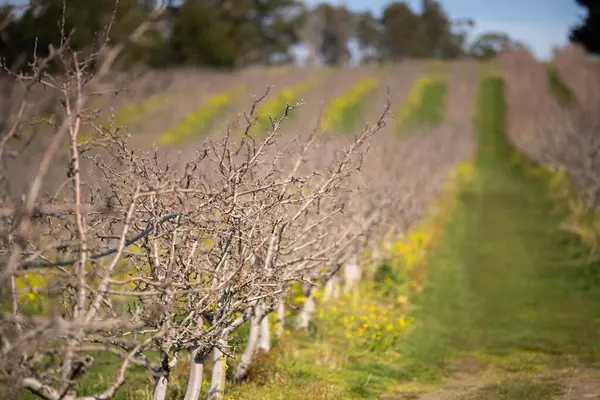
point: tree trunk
(247, 356)
(194, 386)
(160, 387)
(280, 319)
(312, 59)
(331, 289)
(217, 381)
(351, 275)
(161, 382)
(375, 254)
(304, 317)
(264, 337)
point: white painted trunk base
(217, 381)
(352, 275)
(304, 317)
(264, 337)
(280, 330)
(160, 388)
(332, 289)
(194, 385)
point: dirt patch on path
(561, 384)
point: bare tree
(147, 255)
(47, 354)
(554, 133)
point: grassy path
(506, 288)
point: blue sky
(541, 24)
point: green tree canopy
(587, 33)
(237, 33)
(88, 21)
(369, 33)
(490, 44)
(234, 33)
(222, 33)
(337, 30)
(403, 32)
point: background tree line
(237, 33)
(587, 33)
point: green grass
(139, 383)
(275, 106)
(198, 122)
(438, 69)
(353, 116)
(425, 108)
(431, 109)
(99, 378)
(309, 366)
(558, 87)
(504, 279)
(347, 111)
(321, 364)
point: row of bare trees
(548, 128)
(134, 255)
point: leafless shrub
(217, 242)
(135, 254)
(48, 353)
(561, 135)
(579, 72)
(580, 155)
(531, 107)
